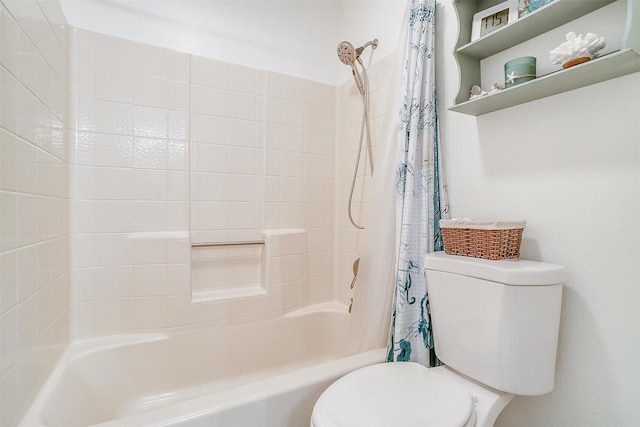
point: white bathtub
(266, 373)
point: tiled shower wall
(34, 241)
(130, 184)
(299, 188)
(136, 193)
(262, 158)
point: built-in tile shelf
(557, 13)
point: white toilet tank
(497, 321)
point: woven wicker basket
(482, 239)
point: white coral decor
(577, 46)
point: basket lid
(506, 271)
(481, 224)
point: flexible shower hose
(364, 79)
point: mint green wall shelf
(559, 12)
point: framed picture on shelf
(493, 18)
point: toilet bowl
(489, 332)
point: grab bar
(231, 243)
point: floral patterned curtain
(420, 196)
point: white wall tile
(149, 153)
(211, 215)
(292, 113)
(9, 46)
(28, 59)
(177, 155)
(292, 165)
(242, 160)
(243, 307)
(112, 183)
(27, 165)
(240, 215)
(8, 161)
(214, 102)
(113, 52)
(10, 399)
(240, 188)
(179, 66)
(151, 60)
(85, 81)
(292, 139)
(28, 315)
(150, 216)
(292, 189)
(113, 117)
(290, 214)
(178, 185)
(8, 280)
(261, 108)
(214, 129)
(178, 310)
(274, 136)
(112, 150)
(213, 158)
(177, 125)
(112, 249)
(8, 112)
(150, 122)
(26, 219)
(9, 340)
(178, 215)
(295, 294)
(177, 95)
(149, 185)
(150, 280)
(114, 85)
(314, 117)
(242, 133)
(150, 312)
(274, 110)
(207, 312)
(242, 106)
(319, 94)
(150, 91)
(212, 187)
(292, 88)
(209, 72)
(85, 120)
(242, 79)
(315, 142)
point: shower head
(348, 55)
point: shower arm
(373, 43)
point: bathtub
(264, 373)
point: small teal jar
(537, 4)
(519, 70)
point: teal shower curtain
(420, 191)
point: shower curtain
(391, 284)
(420, 195)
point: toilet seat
(394, 394)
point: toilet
(495, 326)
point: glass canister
(519, 70)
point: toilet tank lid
(507, 271)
